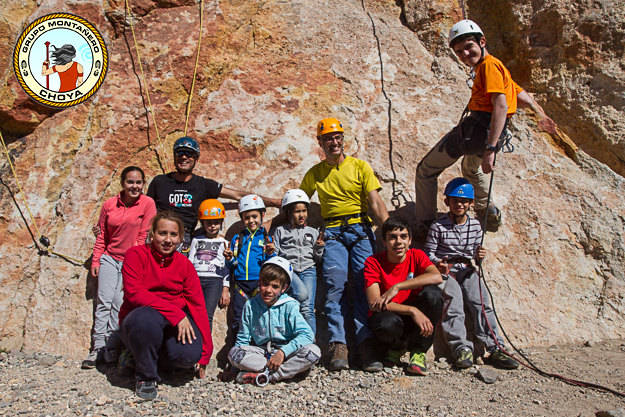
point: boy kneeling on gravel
(453, 242)
(404, 299)
(274, 342)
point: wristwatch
(490, 147)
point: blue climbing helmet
(187, 142)
(459, 187)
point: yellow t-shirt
(491, 76)
(342, 189)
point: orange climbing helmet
(329, 125)
(211, 209)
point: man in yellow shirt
(347, 189)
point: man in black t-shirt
(182, 191)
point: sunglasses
(188, 154)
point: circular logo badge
(60, 60)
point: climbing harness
(528, 363)
(43, 240)
(188, 108)
(238, 289)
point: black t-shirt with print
(183, 198)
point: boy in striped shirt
(452, 244)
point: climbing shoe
(499, 359)
(146, 390)
(338, 356)
(417, 366)
(368, 356)
(464, 359)
(393, 358)
(493, 218)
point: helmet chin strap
(458, 219)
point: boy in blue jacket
(245, 255)
(274, 336)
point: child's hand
(270, 248)
(228, 254)
(320, 241)
(224, 300)
(95, 230)
(443, 266)
(423, 322)
(480, 253)
(275, 361)
(381, 303)
(185, 331)
(200, 370)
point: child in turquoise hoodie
(274, 338)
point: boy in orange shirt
(481, 130)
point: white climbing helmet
(282, 263)
(294, 196)
(464, 27)
(251, 202)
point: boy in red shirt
(404, 299)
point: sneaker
(94, 357)
(245, 377)
(392, 358)
(464, 359)
(338, 356)
(111, 356)
(368, 356)
(417, 366)
(146, 390)
(499, 359)
(493, 218)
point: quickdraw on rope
(197, 57)
(43, 240)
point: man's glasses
(188, 154)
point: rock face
(268, 72)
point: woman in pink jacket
(124, 222)
(163, 319)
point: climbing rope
(395, 198)
(45, 242)
(464, 11)
(197, 58)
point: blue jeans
(211, 288)
(346, 247)
(308, 280)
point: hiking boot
(393, 358)
(368, 356)
(338, 356)
(499, 359)
(245, 377)
(94, 357)
(146, 390)
(464, 359)
(493, 218)
(417, 366)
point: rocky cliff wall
(268, 72)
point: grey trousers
(110, 297)
(431, 167)
(464, 291)
(253, 359)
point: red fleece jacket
(169, 285)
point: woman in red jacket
(163, 318)
(124, 222)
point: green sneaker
(464, 359)
(393, 358)
(417, 366)
(499, 359)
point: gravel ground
(34, 384)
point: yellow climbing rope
(42, 238)
(197, 58)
